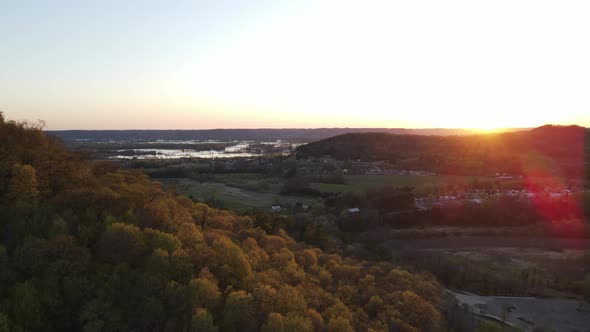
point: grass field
(355, 183)
(257, 182)
(229, 197)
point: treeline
(542, 151)
(497, 276)
(395, 208)
(90, 247)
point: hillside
(563, 150)
(89, 247)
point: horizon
(494, 130)
(312, 128)
(124, 66)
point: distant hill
(302, 135)
(548, 149)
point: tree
(374, 306)
(157, 239)
(308, 258)
(204, 293)
(274, 323)
(316, 319)
(202, 321)
(339, 324)
(121, 243)
(289, 299)
(189, 235)
(338, 310)
(23, 183)
(296, 322)
(230, 263)
(92, 247)
(27, 310)
(200, 214)
(4, 321)
(418, 312)
(239, 312)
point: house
(275, 208)
(354, 210)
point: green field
(229, 197)
(257, 182)
(357, 183)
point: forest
(88, 246)
(544, 151)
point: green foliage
(27, 310)
(121, 243)
(202, 321)
(4, 323)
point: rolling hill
(547, 150)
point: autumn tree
(230, 264)
(239, 312)
(274, 323)
(339, 324)
(202, 321)
(204, 293)
(23, 183)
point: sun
(476, 125)
(487, 130)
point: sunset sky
(252, 64)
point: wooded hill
(556, 150)
(85, 246)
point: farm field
(257, 182)
(230, 197)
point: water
(240, 149)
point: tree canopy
(88, 246)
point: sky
(295, 64)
